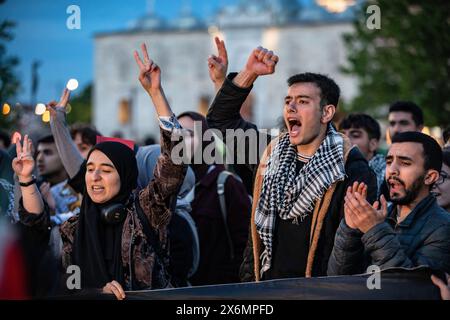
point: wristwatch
(29, 183)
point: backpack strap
(222, 178)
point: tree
(408, 58)
(9, 84)
(81, 104)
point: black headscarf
(97, 247)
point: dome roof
(149, 22)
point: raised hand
(149, 72)
(218, 65)
(359, 214)
(261, 62)
(23, 164)
(54, 106)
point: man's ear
(373, 145)
(431, 177)
(328, 112)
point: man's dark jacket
(422, 239)
(224, 114)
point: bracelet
(29, 183)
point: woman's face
(192, 142)
(442, 188)
(102, 178)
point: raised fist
(261, 62)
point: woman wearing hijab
(219, 259)
(119, 240)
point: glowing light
(213, 30)
(68, 108)
(6, 109)
(40, 109)
(72, 84)
(335, 6)
(46, 116)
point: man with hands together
(414, 231)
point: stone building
(306, 38)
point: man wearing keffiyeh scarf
(293, 196)
(300, 180)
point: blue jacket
(423, 238)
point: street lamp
(335, 6)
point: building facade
(305, 38)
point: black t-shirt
(290, 246)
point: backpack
(184, 254)
(221, 179)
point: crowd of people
(321, 198)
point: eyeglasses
(442, 177)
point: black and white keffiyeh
(378, 165)
(293, 196)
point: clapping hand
(360, 214)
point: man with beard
(413, 232)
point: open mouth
(97, 189)
(294, 126)
(395, 184)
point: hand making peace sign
(149, 72)
(23, 163)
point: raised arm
(23, 165)
(70, 156)
(168, 176)
(224, 112)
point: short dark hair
(362, 121)
(329, 90)
(46, 139)
(432, 151)
(6, 139)
(446, 134)
(88, 133)
(446, 156)
(410, 107)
